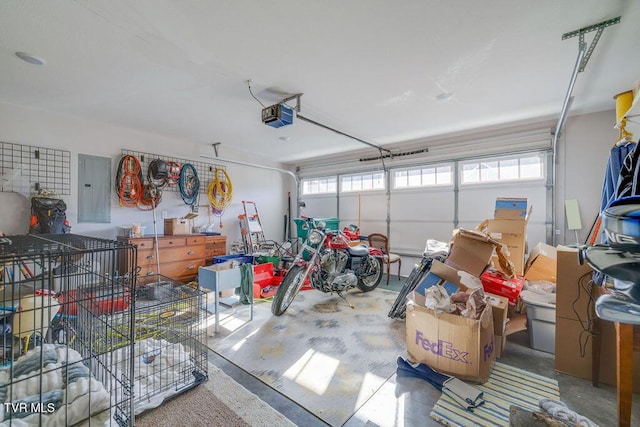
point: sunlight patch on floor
(239, 344)
(230, 321)
(383, 408)
(314, 371)
(370, 383)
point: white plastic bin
(541, 320)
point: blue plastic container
(239, 258)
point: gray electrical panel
(94, 189)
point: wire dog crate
(50, 374)
(119, 344)
(170, 336)
(169, 356)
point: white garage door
(414, 203)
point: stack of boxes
(509, 227)
(574, 312)
(466, 348)
(575, 320)
(452, 344)
(459, 346)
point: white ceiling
(369, 68)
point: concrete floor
(408, 401)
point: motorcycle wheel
(369, 283)
(287, 290)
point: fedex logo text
(487, 350)
(441, 348)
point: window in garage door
(326, 185)
(518, 175)
(320, 196)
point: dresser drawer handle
(191, 267)
(150, 257)
(190, 253)
(149, 273)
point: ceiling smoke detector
(444, 96)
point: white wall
(583, 152)
(37, 128)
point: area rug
(220, 401)
(506, 386)
(324, 355)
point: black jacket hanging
(629, 178)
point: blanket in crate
(162, 369)
(50, 386)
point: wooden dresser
(180, 256)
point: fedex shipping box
(451, 344)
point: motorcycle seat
(360, 250)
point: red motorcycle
(329, 264)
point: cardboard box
(513, 234)
(572, 287)
(451, 344)
(510, 208)
(542, 263)
(438, 273)
(500, 343)
(575, 316)
(574, 352)
(175, 226)
(470, 251)
(516, 322)
(573, 348)
(499, 308)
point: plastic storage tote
(331, 224)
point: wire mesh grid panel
(168, 356)
(49, 376)
(27, 169)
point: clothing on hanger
(629, 178)
(617, 157)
